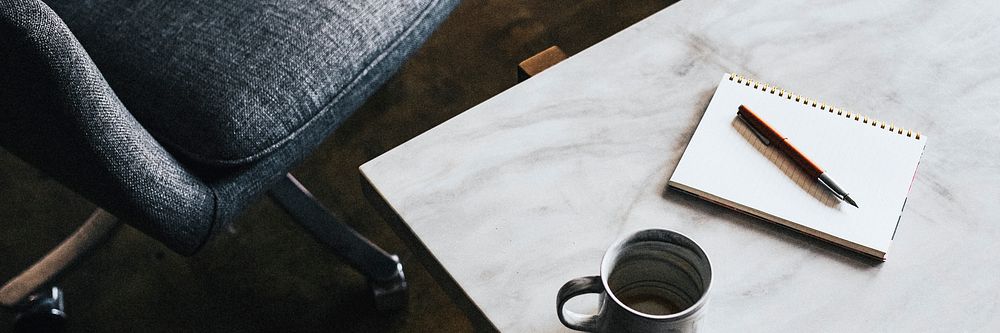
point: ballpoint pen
(768, 135)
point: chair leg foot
(42, 312)
(391, 294)
(383, 271)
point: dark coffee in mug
(656, 278)
(652, 303)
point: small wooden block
(539, 62)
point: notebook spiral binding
(822, 106)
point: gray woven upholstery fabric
(206, 103)
(58, 113)
(240, 77)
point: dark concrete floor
(265, 274)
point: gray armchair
(173, 116)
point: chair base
(42, 312)
(383, 270)
(98, 227)
(391, 294)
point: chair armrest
(58, 113)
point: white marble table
(526, 190)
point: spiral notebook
(876, 161)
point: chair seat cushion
(225, 83)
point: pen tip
(851, 201)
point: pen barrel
(800, 158)
(780, 141)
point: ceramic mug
(654, 280)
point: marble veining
(525, 191)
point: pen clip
(754, 130)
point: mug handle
(573, 288)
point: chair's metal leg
(93, 232)
(383, 270)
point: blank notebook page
(725, 163)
